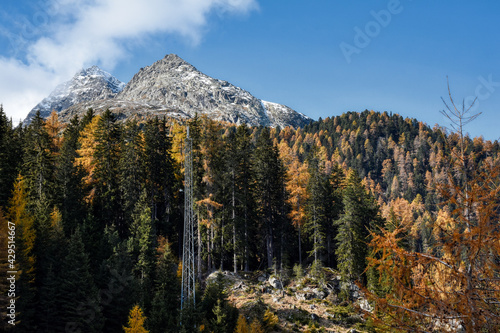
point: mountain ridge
(173, 87)
(86, 85)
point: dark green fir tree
(79, 301)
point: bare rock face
(283, 116)
(88, 85)
(173, 82)
(170, 87)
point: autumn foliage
(135, 321)
(455, 283)
(111, 191)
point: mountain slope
(173, 87)
(87, 85)
(173, 82)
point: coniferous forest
(408, 212)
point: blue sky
(321, 58)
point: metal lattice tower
(188, 255)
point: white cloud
(77, 34)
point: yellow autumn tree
(25, 231)
(241, 325)
(178, 133)
(270, 320)
(256, 327)
(55, 128)
(25, 258)
(86, 152)
(456, 283)
(136, 321)
(296, 185)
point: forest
(408, 212)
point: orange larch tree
(456, 283)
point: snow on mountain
(281, 115)
(170, 86)
(87, 85)
(173, 82)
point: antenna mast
(188, 273)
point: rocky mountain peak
(173, 61)
(170, 86)
(176, 83)
(87, 85)
(94, 70)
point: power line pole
(188, 272)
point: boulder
(275, 283)
(320, 293)
(364, 305)
(304, 296)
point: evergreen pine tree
(10, 157)
(48, 272)
(79, 300)
(159, 168)
(49, 310)
(238, 185)
(318, 205)
(219, 323)
(247, 206)
(131, 168)
(142, 247)
(269, 193)
(119, 290)
(87, 118)
(335, 189)
(105, 158)
(38, 163)
(69, 179)
(218, 314)
(165, 303)
(359, 216)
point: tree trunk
(269, 246)
(199, 251)
(235, 257)
(300, 247)
(222, 245)
(247, 266)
